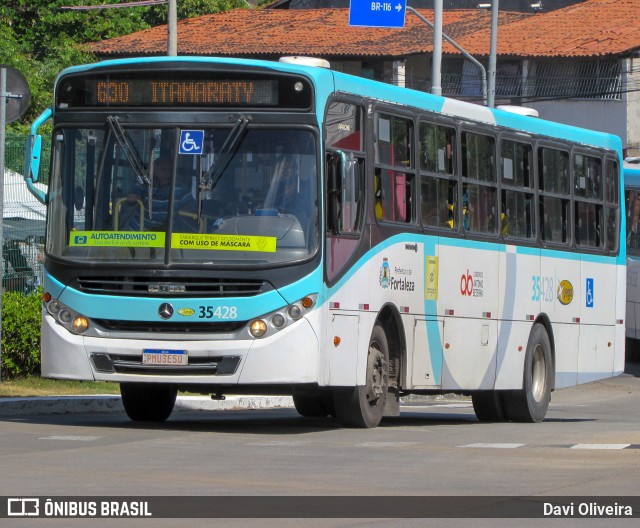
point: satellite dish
(18, 94)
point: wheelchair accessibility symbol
(589, 293)
(191, 141)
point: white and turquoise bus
(632, 207)
(228, 226)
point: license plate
(164, 357)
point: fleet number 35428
(217, 312)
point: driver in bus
(156, 216)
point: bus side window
(479, 195)
(517, 199)
(553, 170)
(394, 186)
(439, 189)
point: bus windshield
(219, 195)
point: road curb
(45, 405)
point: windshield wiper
(129, 150)
(211, 178)
(209, 181)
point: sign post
(14, 101)
(373, 13)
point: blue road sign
(191, 141)
(371, 13)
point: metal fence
(23, 221)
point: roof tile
(591, 28)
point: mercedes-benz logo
(165, 311)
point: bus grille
(204, 366)
(181, 287)
(115, 325)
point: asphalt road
(589, 445)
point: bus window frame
(530, 141)
(412, 171)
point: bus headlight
(80, 324)
(275, 321)
(258, 328)
(71, 320)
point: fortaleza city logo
(398, 280)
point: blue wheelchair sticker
(191, 141)
(81, 239)
(589, 293)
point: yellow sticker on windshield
(260, 244)
(116, 239)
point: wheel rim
(377, 375)
(538, 374)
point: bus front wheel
(363, 406)
(146, 402)
(530, 404)
(313, 404)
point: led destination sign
(181, 93)
(182, 89)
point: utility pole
(470, 58)
(491, 95)
(172, 29)
(436, 63)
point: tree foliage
(39, 38)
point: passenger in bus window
(466, 211)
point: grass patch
(36, 386)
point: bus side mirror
(33, 156)
(343, 192)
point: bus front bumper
(288, 357)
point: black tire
(146, 402)
(316, 404)
(530, 404)
(363, 406)
(488, 406)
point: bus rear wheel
(489, 406)
(530, 404)
(146, 402)
(363, 406)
